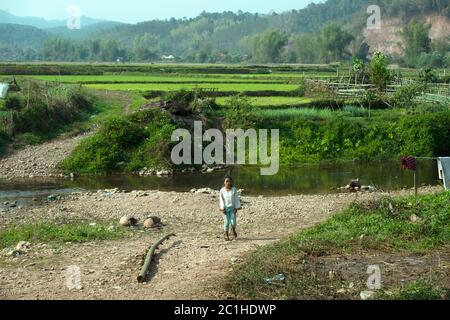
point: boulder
(23, 246)
(128, 221)
(152, 223)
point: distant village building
(169, 57)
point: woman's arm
(237, 201)
(221, 202)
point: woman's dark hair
(229, 178)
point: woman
(230, 204)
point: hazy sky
(141, 10)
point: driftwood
(148, 260)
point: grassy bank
(130, 143)
(53, 233)
(307, 135)
(383, 228)
(314, 135)
(34, 112)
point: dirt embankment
(388, 38)
(190, 266)
(40, 160)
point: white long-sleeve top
(229, 198)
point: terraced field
(273, 101)
(234, 87)
(177, 78)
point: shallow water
(304, 179)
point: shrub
(142, 139)
(240, 113)
(121, 132)
(14, 102)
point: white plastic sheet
(3, 90)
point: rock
(163, 173)
(128, 221)
(206, 191)
(341, 291)
(392, 209)
(414, 218)
(152, 223)
(23, 246)
(367, 295)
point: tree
(334, 40)
(267, 46)
(416, 40)
(362, 52)
(379, 73)
(306, 47)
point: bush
(121, 132)
(142, 139)
(405, 96)
(45, 108)
(240, 113)
(94, 155)
(14, 102)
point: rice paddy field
(233, 87)
(273, 101)
(272, 87)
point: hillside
(389, 40)
(6, 17)
(18, 36)
(233, 37)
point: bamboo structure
(148, 260)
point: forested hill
(231, 37)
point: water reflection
(305, 179)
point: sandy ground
(188, 266)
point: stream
(291, 180)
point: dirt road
(190, 266)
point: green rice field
(238, 87)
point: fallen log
(142, 275)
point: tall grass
(307, 113)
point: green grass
(272, 101)
(417, 290)
(381, 229)
(130, 77)
(188, 86)
(52, 233)
(152, 79)
(289, 114)
(137, 101)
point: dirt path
(189, 266)
(40, 160)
